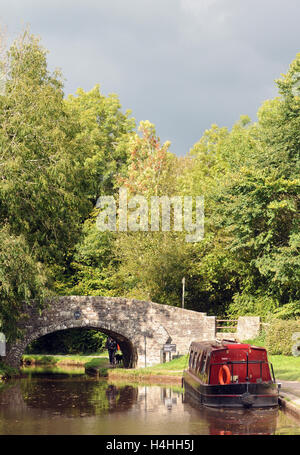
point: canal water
(65, 401)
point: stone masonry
(140, 328)
(248, 327)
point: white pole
(183, 286)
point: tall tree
(104, 129)
(42, 178)
(151, 263)
(42, 184)
(105, 132)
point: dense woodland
(59, 153)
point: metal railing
(243, 362)
(226, 326)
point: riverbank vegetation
(280, 337)
(60, 153)
(286, 367)
(7, 372)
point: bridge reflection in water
(79, 405)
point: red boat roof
(219, 345)
(237, 346)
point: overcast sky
(182, 64)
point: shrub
(7, 371)
(97, 366)
(279, 334)
(260, 340)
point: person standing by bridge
(111, 346)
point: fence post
(248, 327)
(209, 327)
(2, 345)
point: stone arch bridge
(140, 328)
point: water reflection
(240, 421)
(81, 405)
(77, 397)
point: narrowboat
(230, 374)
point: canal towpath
(290, 397)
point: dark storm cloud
(181, 64)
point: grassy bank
(70, 360)
(286, 367)
(97, 362)
(170, 371)
(97, 367)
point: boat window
(194, 360)
(191, 357)
(198, 365)
(200, 362)
(197, 361)
(207, 363)
(203, 362)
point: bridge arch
(126, 346)
(140, 328)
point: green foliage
(151, 167)
(40, 359)
(97, 366)
(288, 311)
(279, 334)
(249, 260)
(58, 360)
(42, 175)
(260, 213)
(255, 305)
(149, 264)
(96, 362)
(260, 340)
(6, 371)
(22, 278)
(93, 265)
(279, 124)
(69, 342)
(104, 130)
